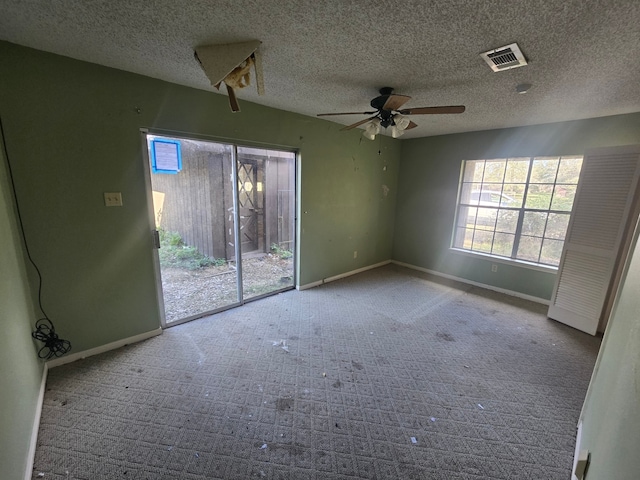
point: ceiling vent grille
(504, 58)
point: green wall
(21, 372)
(428, 185)
(611, 413)
(72, 133)
(72, 130)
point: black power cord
(44, 332)
(53, 345)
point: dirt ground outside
(191, 292)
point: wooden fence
(197, 202)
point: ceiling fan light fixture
(389, 114)
(372, 129)
(368, 135)
(401, 121)
(396, 132)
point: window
(516, 208)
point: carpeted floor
(390, 374)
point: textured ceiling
(333, 55)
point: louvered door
(604, 198)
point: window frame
(486, 186)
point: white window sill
(506, 261)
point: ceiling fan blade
(344, 113)
(394, 102)
(433, 110)
(357, 124)
(411, 125)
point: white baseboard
(342, 275)
(56, 362)
(31, 456)
(307, 286)
(475, 284)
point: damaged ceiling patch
(231, 63)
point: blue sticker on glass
(165, 156)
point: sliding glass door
(225, 222)
(266, 203)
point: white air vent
(504, 58)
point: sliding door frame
(235, 144)
(151, 217)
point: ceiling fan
(387, 113)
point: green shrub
(281, 252)
(174, 253)
(170, 239)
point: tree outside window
(517, 208)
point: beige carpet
(390, 374)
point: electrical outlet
(113, 199)
(494, 268)
(355, 254)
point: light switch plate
(113, 199)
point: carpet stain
(284, 404)
(357, 365)
(445, 336)
(337, 384)
(294, 337)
